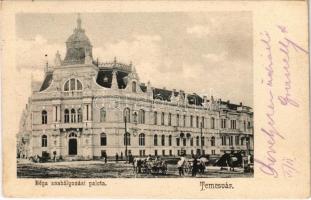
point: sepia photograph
(135, 95)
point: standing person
(180, 165)
(195, 166)
(105, 157)
(117, 157)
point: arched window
(197, 121)
(141, 141)
(127, 115)
(169, 140)
(73, 115)
(191, 121)
(162, 118)
(133, 86)
(79, 115)
(44, 141)
(66, 86)
(212, 123)
(141, 117)
(66, 116)
(102, 115)
(72, 134)
(198, 141)
(155, 140)
(79, 85)
(213, 141)
(127, 139)
(103, 139)
(163, 140)
(155, 118)
(191, 141)
(135, 117)
(203, 124)
(202, 140)
(72, 84)
(44, 116)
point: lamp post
(201, 138)
(125, 127)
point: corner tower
(78, 46)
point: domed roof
(78, 36)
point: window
(184, 142)
(244, 125)
(213, 141)
(102, 115)
(213, 152)
(223, 123)
(162, 118)
(73, 115)
(169, 119)
(203, 124)
(66, 116)
(212, 123)
(233, 124)
(198, 140)
(79, 115)
(223, 140)
(163, 140)
(184, 121)
(44, 141)
(155, 118)
(191, 121)
(171, 153)
(197, 121)
(103, 139)
(44, 115)
(242, 141)
(155, 140)
(248, 124)
(141, 117)
(127, 139)
(202, 140)
(163, 152)
(230, 140)
(142, 152)
(155, 152)
(237, 140)
(135, 117)
(169, 140)
(177, 120)
(133, 86)
(126, 115)
(177, 141)
(191, 142)
(72, 85)
(141, 141)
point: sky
(209, 53)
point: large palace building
(84, 109)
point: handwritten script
(268, 164)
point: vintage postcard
(155, 99)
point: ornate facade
(82, 109)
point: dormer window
(72, 85)
(133, 86)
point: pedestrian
(117, 157)
(195, 166)
(105, 157)
(180, 165)
(54, 156)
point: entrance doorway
(72, 144)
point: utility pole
(125, 120)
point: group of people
(183, 163)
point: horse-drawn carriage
(145, 166)
(201, 165)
